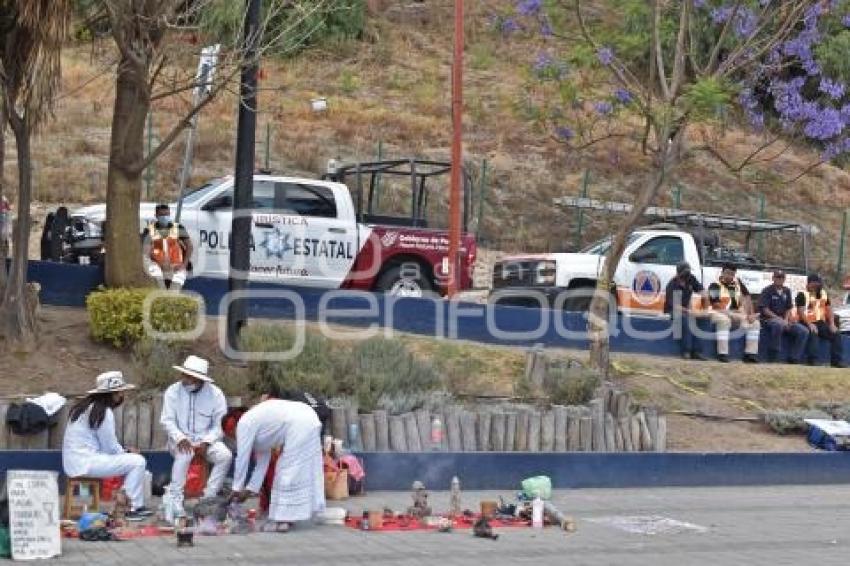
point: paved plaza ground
(676, 526)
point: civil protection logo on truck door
(646, 287)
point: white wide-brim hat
(196, 367)
(110, 382)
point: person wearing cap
(678, 303)
(192, 411)
(778, 314)
(731, 304)
(814, 312)
(298, 489)
(167, 250)
(90, 447)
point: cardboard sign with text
(33, 514)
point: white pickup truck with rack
(566, 280)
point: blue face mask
(163, 219)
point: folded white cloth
(50, 402)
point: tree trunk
(598, 316)
(124, 266)
(17, 311)
(4, 244)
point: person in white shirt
(91, 449)
(192, 410)
(298, 491)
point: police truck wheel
(405, 280)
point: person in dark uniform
(814, 312)
(678, 303)
(778, 314)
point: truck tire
(408, 279)
(578, 299)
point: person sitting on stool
(192, 411)
(91, 449)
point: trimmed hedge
(116, 317)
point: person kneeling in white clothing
(91, 449)
(192, 410)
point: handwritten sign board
(33, 514)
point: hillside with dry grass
(392, 88)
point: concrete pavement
(744, 525)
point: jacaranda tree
(660, 73)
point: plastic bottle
(436, 433)
(353, 436)
(537, 513)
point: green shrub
(311, 370)
(377, 373)
(570, 384)
(116, 317)
(791, 422)
(380, 369)
(154, 361)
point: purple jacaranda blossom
(508, 26)
(752, 108)
(605, 55)
(833, 89)
(623, 96)
(545, 27)
(603, 107)
(826, 124)
(846, 20)
(699, 4)
(721, 14)
(546, 66)
(564, 133)
(529, 7)
(746, 23)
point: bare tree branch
(659, 55)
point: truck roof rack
(680, 217)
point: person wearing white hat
(192, 410)
(298, 490)
(90, 447)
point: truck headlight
(93, 229)
(545, 273)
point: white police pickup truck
(305, 232)
(566, 280)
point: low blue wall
(68, 285)
(505, 471)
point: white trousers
(178, 276)
(217, 454)
(130, 466)
(724, 321)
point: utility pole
(243, 194)
(457, 153)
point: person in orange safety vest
(167, 250)
(731, 304)
(814, 312)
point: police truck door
(646, 270)
(310, 238)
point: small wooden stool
(72, 509)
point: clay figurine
(454, 504)
(120, 506)
(482, 529)
(184, 532)
(420, 506)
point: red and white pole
(457, 154)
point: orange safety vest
(816, 308)
(168, 248)
(726, 295)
